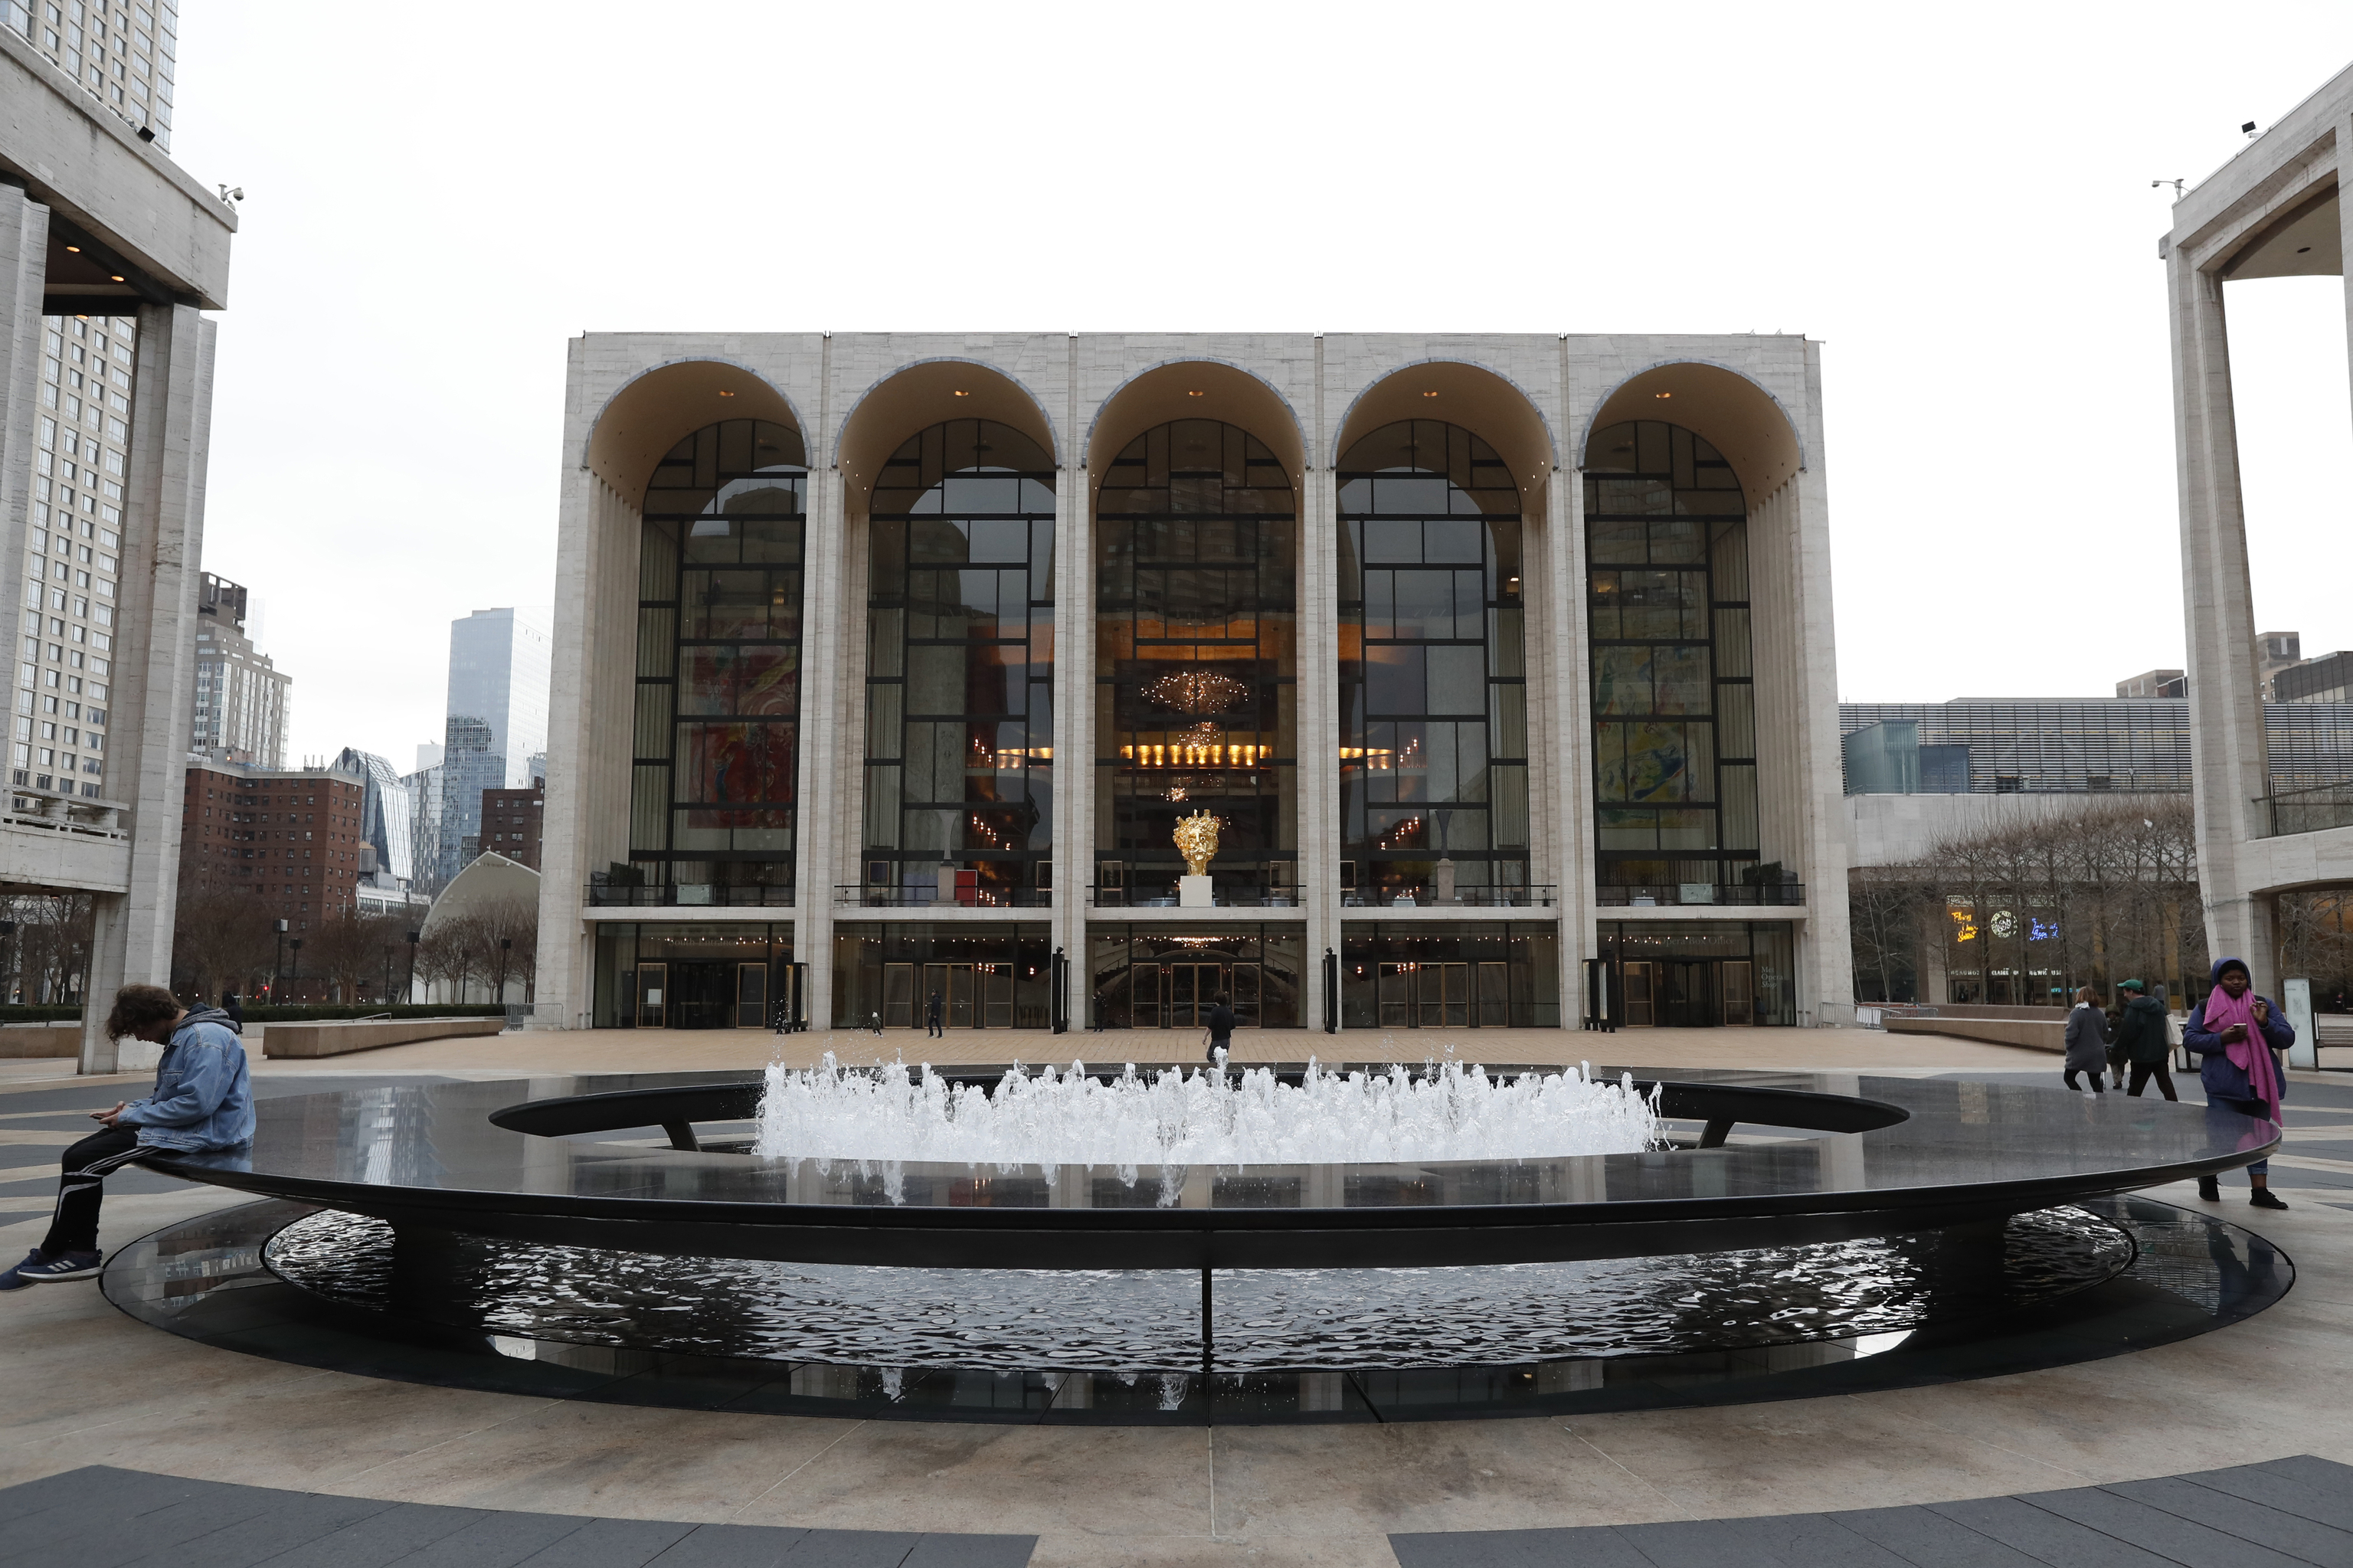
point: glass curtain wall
(959, 690)
(1674, 725)
(987, 975)
(1433, 678)
(1197, 679)
(1450, 975)
(1146, 977)
(712, 802)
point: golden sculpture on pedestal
(1196, 840)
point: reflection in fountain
(1206, 1118)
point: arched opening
(715, 755)
(1463, 394)
(1196, 669)
(959, 687)
(1674, 725)
(1749, 430)
(935, 392)
(648, 418)
(1433, 673)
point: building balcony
(50, 838)
(688, 894)
(1540, 896)
(921, 896)
(2308, 811)
(1779, 894)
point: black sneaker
(2210, 1189)
(15, 1278)
(2264, 1198)
(65, 1266)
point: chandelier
(1194, 692)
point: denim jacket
(204, 1097)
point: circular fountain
(1270, 1245)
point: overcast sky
(1956, 200)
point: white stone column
(2230, 768)
(1317, 664)
(24, 257)
(1073, 767)
(826, 818)
(162, 538)
(1567, 771)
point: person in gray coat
(2087, 1041)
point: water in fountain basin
(1205, 1118)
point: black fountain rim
(1923, 1153)
(242, 1306)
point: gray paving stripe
(2038, 1532)
(1785, 1542)
(379, 1539)
(102, 1517)
(1930, 1540)
(609, 1543)
(1597, 1547)
(2306, 1539)
(2188, 1541)
(2282, 1493)
(990, 1551)
(731, 1546)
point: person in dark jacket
(2236, 1032)
(203, 1103)
(230, 1005)
(2145, 1040)
(2087, 1042)
(936, 1013)
(1221, 1025)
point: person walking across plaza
(2143, 1036)
(2087, 1041)
(2236, 1032)
(1221, 1025)
(935, 1015)
(203, 1101)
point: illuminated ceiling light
(1429, 394)
(116, 276)
(1195, 393)
(725, 393)
(1661, 394)
(961, 394)
(1194, 692)
(75, 249)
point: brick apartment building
(291, 837)
(512, 821)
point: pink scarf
(2251, 1055)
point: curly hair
(138, 1007)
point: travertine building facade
(885, 665)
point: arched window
(713, 796)
(1434, 676)
(1196, 672)
(959, 689)
(1675, 714)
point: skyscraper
(243, 703)
(499, 663)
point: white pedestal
(1193, 892)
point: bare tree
(223, 938)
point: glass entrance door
(751, 996)
(653, 996)
(1739, 992)
(1641, 985)
(1494, 1006)
(994, 986)
(897, 996)
(1443, 993)
(952, 983)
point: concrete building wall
(2274, 210)
(856, 397)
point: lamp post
(8, 989)
(297, 945)
(411, 992)
(506, 956)
(387, 974)
(278, 965)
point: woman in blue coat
(2236, 1032)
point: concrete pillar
(1563, 773)
(828, 819)
(2230, 768)
(1073, 770)
(24, 255)
(1318, 663)
(162, 538)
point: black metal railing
(689, 895)
(1162, 896)
(1424, 897)
(1782, 894)
(2309, 810)
(922, 896)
